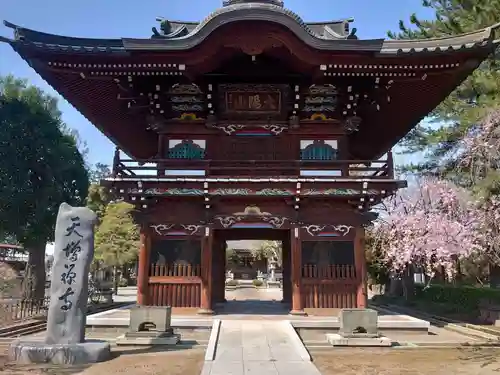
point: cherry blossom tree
(431, 225)
(479, 155)
(480, 161)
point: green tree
(117, 238)
(269, 250)
(460, 113)
(40, 167)
(98, 196)
(99, 172)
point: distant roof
(247, 245)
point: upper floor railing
(358, 169)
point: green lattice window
(319, 150)
(187, 149)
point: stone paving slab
(251, 347)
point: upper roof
(180, 35)
(424, 71)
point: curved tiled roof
(249, 7)
(187, 35)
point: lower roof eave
(399, 183)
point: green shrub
(232, 283)
(257, 283)
(123, 282)
(466, 297)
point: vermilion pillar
(206, 272)
(360, 260)
(296, 272)
(143, 270)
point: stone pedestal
(26, 352)
(335, 339)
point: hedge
(468, 297)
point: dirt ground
(131, 361)
(441, 361)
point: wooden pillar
(296, 270)
(360, 263)
(143, 269)
(218, 268)
(206, 272)
(223, 262)
(286, 269)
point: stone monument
(358, 327)
(65, 336)
(272, 282)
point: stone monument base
(148, 338)
(336, 339)
(28, 352)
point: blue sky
(127, 18)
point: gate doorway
(254, 289)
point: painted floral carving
(164, 229)
(317, 230)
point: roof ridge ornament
(271, 2)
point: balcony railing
(373, 169)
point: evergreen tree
(460, 113)
(41, 166)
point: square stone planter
(159, 316)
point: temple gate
(253, 124)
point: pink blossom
(431, 225)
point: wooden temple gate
(286, 125)
(184, 265)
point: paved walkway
(256, 347)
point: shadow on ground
(252, 306)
